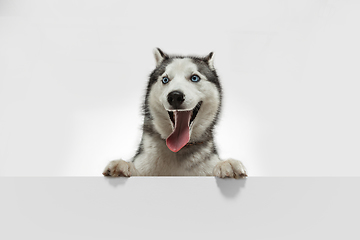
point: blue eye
(195, 78)
(165, 80)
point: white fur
(157, 160)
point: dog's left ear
(209, 59)
(159, 56)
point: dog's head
(183, 98)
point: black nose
(176, 98)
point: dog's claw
(106, 173)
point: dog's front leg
(120, 168)
(230, 169)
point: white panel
(256, 208)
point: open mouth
(182, 121)
(194, 112)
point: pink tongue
(181, 134)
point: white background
(73, 76)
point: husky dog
(181, 108)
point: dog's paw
(120, 168)
(230, 169)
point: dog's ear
(159, 56)
(209, 59)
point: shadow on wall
(230, 187)
(116, 181)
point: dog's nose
(176, 98)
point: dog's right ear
(159, 56)
(209, 59)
